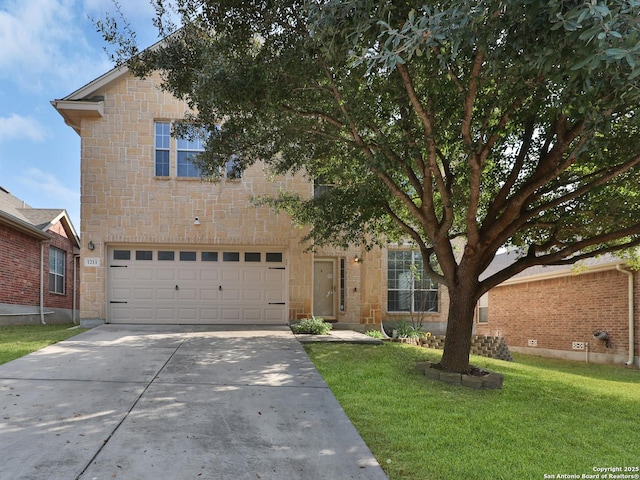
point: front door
(324, 289)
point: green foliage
(491, 124)
(374, 333)
(405, 329)
(548, 418)
(313, 326)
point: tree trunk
(457, 344)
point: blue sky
(48, 49)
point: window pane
(162, 143)
(163, 135)
(167, 256)
(122, 255)
(425, 301)
(274, 257)
(144, 255)
(186, 168)
(187, 256)
(209, 256)
(231, 257)
(162, 163)
(252, 257)
(398, 301)
(232, 169)
(408, 286)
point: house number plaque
(92, 262)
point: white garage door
(196, 286)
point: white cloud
(50, 192)
(18, 127)
(48, 184)
(47, 42)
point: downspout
(42, 283)
(631, 328)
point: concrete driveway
(175, 402)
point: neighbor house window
(409, 289)
(56, 270)
(187, 150)
(483, 308)
(163, 142)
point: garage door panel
(166, 313)
(216, 292)
(230, 275)
(252, 295)
(253, 315)
(142, 294)
(142, 274)
(187, 314)
(144, 314)
(121, 293)
(252, 275)
(230, 295)
(187, 275)
(166, 293)
(273, 295)
(211, 314)
(209, 275)
(209, 294)
(230, 315)
(274, 315)
(121, 274)
(165, 274)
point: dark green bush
(313, 326)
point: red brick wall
(60, 240)
(557, 312)
(19, 268)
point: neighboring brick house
(39, 251)
(170, 247)
(554, 311)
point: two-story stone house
(162, 245)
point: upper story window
(187, 150)
(321, 186)
(409, 289)
(180, 152)
(163, 145)
(56, 270)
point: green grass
(17, 341)
(551, 417)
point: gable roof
(34, 222)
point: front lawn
(551, 418)
(19, 340)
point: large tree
(483, 124)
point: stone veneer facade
(124, 203)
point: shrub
(313, 326)
(374, 333)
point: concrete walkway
(175, 402)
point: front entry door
(324, 289)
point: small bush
(374, 333)
(313, 326)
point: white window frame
(407, 282)
(57, 262)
